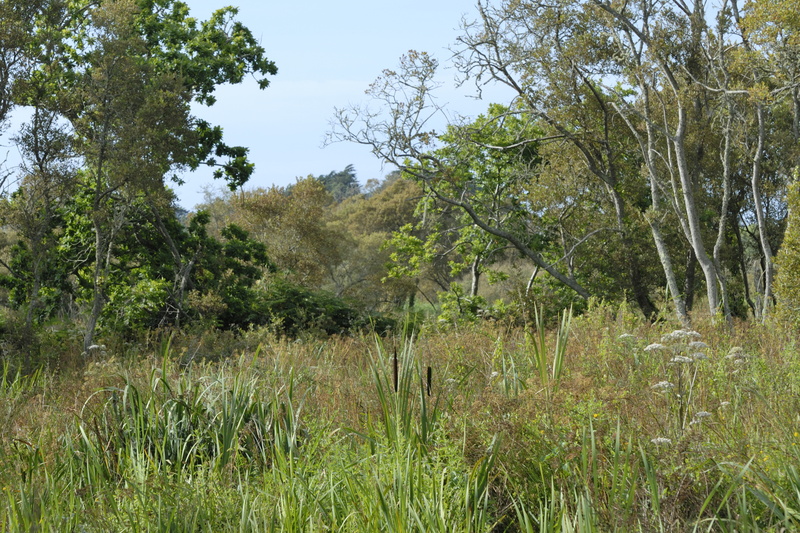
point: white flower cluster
(700, 416)
(680, 335)
(654, 347)
(663, 386)
(684, 344)
(661, 440)
(95, 349)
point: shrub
(292, 309)
(787, 282)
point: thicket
(787, 284)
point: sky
(327, 54)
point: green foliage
(20, 284)
(292, 309)
(457, 305)
(490, 166)
(138, 306)
(410, 252)
(787, 284)
(341, 185)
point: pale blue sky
(327, 54)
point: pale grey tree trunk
(98, 291)
(655, 213)
(755, 178)
(723, 214)
(476, 276)
(692, 217)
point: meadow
(597, 422)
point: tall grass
(536, 430)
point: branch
(518, 244)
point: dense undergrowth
(605, 423)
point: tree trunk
(766, 250)
(476, 276)
(692, 216)
(723, 212)
(690, 279)
(98, 290)
(669, 272)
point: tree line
(645, 154)
(92, 236)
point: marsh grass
(557, 430)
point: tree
(341, 185)
(648, 96)
(36, 209)
(366, 223)
(556, 57)
(404, 140)
(292, 223)
(124, 73)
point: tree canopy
(644, 154)
(660, 115)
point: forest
(576, 311)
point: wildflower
(680, 335)
(681, 359)
(661, 440)
(701, 415)
(494, 375)
(698, 345)
(663, 386)
(654, 347)
(95, 349)
(724, 404)
(626, 336)
(699, 356)
(737, 354)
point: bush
(293, 309)
(787, 282)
